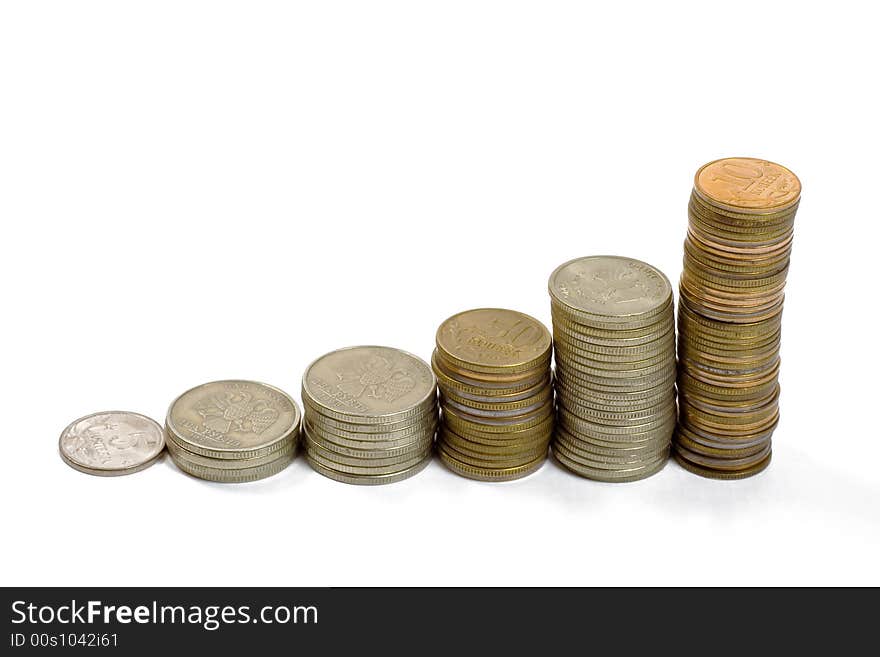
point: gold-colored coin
(516, 406)
(494, 341)
(712, 473)
(510, 437)
(747, 185)
(516, 380)
(494, 461)
(447, 382)
(490, 474)
(682, 440)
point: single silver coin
(111, 443)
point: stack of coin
(496, 392)
(614, 338)
(736, 255)
(370, 415)
(232, 431)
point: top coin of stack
(370, 414)
(232, 431)
(736, 255)
(493, 369)
(614, 337)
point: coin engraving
(748, 183)
(369, 380)
(232, 414)
(112, 442)
(494, 337)
(609, 286)
(237, 410)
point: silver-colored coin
(580, 425)
(603, 464)
(408, 426)
(370, 385)
(638, 451)
(374, 480)
(378, 431)
(601, 416)
(365, 470)
(111, 443)
(372, 441)
(614, 287)
(615, 476)
(628, 339)
(233, 419)
(604, 354)
(181, 453)
(641, 451)
(235, 475)
(368, 451)
(371, 458)
(610, 370)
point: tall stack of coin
(493, 369)
(614, 338)
(370, 415)
(736, 255)
(232, 431)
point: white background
(201, 190)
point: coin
(494, 341)
(490, 474)
(234, 475)
(624, 475)
(748, 185)
(179, 453)
(373, 480)
(370, 385)
(370, 414)
(714, 473)
(496, 393)
(611, 289)
(111, 443)
(613, 333)
(233, 419)
(233, 431)
(736, 260)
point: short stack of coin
(232, 431)
(496, 392)
(370, 415)
(614, 339)
(736, 255)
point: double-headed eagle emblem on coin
(611, 285)
(376, 377)
(237, 411)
